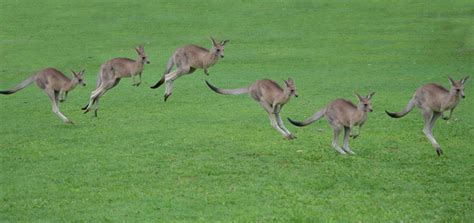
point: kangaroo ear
(286, 83)
(75, 74)
(213, 41)
(358, 96)
(464, 79)
(451, 80)
(82, 71)
(290, 80)
(369, 96)
(224, 42)
(138, 50)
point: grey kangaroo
(433, 100)
(188, 59)
(112, 71)
(342, 114)
(270, 96)
(55, 84)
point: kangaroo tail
(408, 108)
(310, 120)
(225, 91)
(169, 66)
(20, 86)
(159, 83)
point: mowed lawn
(208, 157)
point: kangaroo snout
(222, 56)
(148, 62)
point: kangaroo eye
(218, 50)
(143, 58)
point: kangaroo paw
(86, 110)
(439, 151)
(85, 107)
(348, 150)
(354, 136)
(167, 96)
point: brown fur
(55, 84)
(187, 59)
(271, 97)
(112, 71)
(342, 115)
(433, 100)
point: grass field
(208, 157)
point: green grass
(208, 157)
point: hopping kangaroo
(55, 84)
(270, 96)
(342, 114)
(112, 71)
(188, 59)
(433, 100)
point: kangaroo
(342, 114)
(55, 84)
(188, 59)
(112, 71)
(433, 100)
(270, 96)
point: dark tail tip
(157, 85)
(393, 115)
(6, 92)
(295, 122)
(212, 87)
(85, 107)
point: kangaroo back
(228, 92)
(20, 86)
(318, 115)
(405, 111)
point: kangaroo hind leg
(105, 88)
(170, 78)
(335, 139)
(273, 120)
(54, 97)
(430, 120)
(347, 134)
(282, 126)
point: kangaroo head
(142, 57)
(457, 87)
(365, 103)
(79, 77)
(218, 47)
(291, 87)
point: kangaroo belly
(41, 83)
